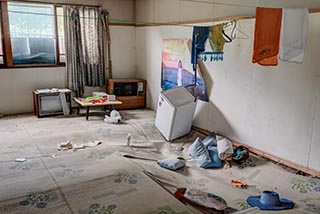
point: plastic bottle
(128, 139)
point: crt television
(46, 104)
(49, 104)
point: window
(60, 29)
(33, 34)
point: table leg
(70, 102)
(78, 110)
(70, 107)
(87, 113)
(104, 108)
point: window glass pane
(63, 58)
(32, 33)
(60, 24)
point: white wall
(16, 85)
(123, 50)
(274, 109)
(122, 37)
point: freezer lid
(178, 96)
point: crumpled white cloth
(294, 32)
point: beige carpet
(100, 180)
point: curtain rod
(52, 3)
(218, 3)
(235, 5)
(190, 22)
(146, 24)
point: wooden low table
(88, 105)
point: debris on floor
(137, 157)
(20, 159)
(238, 183)
(92, 143)
(179, 148)
(205, 152)
(216, 151)
(78, 146)
(250, 162)
(240, 155)
(85, 145)
(172, 163)
(114, 117)
(64, 146)
(207, 202)
(68, 145)
(225, 148)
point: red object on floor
(238, 183)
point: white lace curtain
(85, 47)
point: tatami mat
(101, 180)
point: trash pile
(68, 145)
(206, 202)
(212, 152)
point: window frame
(6, 40)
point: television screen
(50, 104)
(126, 89)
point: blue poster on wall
(177, 68)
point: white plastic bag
(115, 117)
(225, 149)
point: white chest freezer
(175, 111)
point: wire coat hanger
(226, 37)
(234, 28)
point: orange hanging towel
(267, 36)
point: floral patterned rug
(101, 180)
